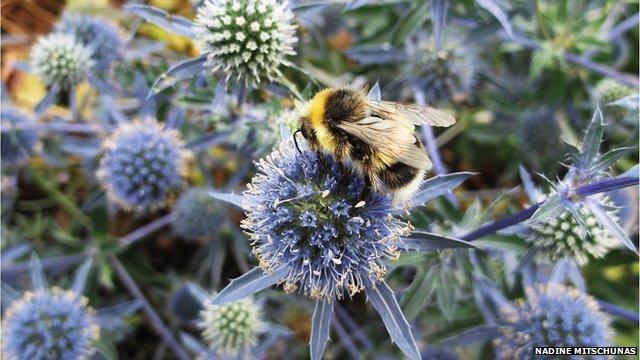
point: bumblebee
(376, 137)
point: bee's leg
(368, 187)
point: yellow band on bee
(316, 115)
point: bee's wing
(413, 114)
(392, 142)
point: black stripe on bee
(398, 175)
(344, 105)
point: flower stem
(582, 191)
(154, 318)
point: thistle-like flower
(246, 37)
(53, 323)
(231, 329)
(318, 228)
(197, 214)
(142, 163)
(445, 73)
(552, 315)
(99, 35)
(563, 237)
(19, 135)
(50, 324)
(60, 59)
(608, 91)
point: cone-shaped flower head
(197, 214)
(60, 59)
(444, 73)
(552, 315)
(562, 237)
(233, 328)
(142, 163)
(314, 225)
(49, 324)
(19, 135)
(98, 34)
(248, 38)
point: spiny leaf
(80, 278)
(480, 333)
(181, 71)
(425, 241)
(498, 13)
(592, 138)
(550, 209)
(611, 225)
(229, 198)
(245, 285)
(383, 300)
(38, 279)
(320, 324)
(439, 185)
(418, 294)
(171, 23)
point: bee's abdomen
(398, 175)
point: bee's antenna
(295, 141)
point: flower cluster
(314, 224)
(552, 315)
(539, 134)
(197, 214)
(563, 237)
(98, 34)
(59, 59)
(233, 328)
(142, 163)
(247, 37)
(19, 135)
(50, 324)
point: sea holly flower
(53, 323)
(552, 315)
(60, 59)
(242, 39)
(196, 214)
(142, 163)
(235, 330)
(316, 230)
(98, 34)
(19, 134)
(573, 194)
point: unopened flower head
(563, 237)
(314, 225)
(50, 324)
(248, 38)
(445, 73)
(608, 91)
(19, 135)
(142, 164)
(197, 214)
(233, 328)
(552, 315)
(60, 59)
(100, 35)
(539, 134)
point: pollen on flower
(263, 29)
(320, 236)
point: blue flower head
(539, 134)
(60, 59)
(50, 324)
(317, 227)
(552, 315)
(19, 135)
(142, 164)
(197, 214)
(101, 36)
